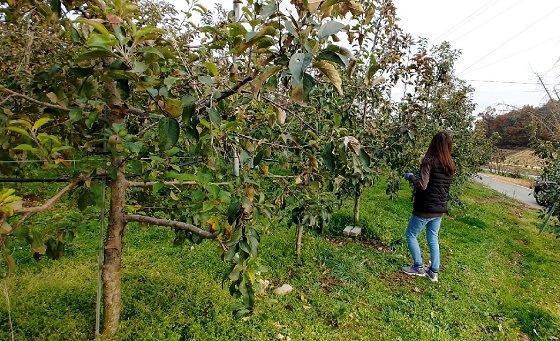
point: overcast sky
(504, 44)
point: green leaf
(235, 236)
(373, 67)
(258, 158)
(18, 130)
(91, 119)
(95, 54)
(168, 133)
(27, 147)
(233, 209)
(298, 63)
(333, 57)
(212, 68)
(99, 40)
(215, 116)
(328, 156)
(337, 118)
(208, 205)
(21, 232)
(252, 37)
(189, 106)
(237, 30)
(112, 172)
(147, 32)
(98, 25)
(170, 81)
(152, 50)
(365, 158)
(291, 28)
(123, 88)
(75, 114)
(329, 28)
(139, 67)
(55, 7)
(157, 187)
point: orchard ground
(498, 280)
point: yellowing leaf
(16, 205)
(280, 115)
(297, 94)
(331, 73)
(173, 107)
(40, 249)
(174, 196)
(259, 81)
(354, 7)
(5, 228)
(52, 96)
(213, 224)
(250, 192)
(114, 19)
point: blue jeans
(415, 226)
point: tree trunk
(111, 273)
(357, 196)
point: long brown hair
(440, 149)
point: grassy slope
(498, 281)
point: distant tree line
(516, 127)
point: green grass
(498, 281)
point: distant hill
(516, 127)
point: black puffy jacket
(434, 198)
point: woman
(430, 203)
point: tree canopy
(219, 126)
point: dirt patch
(403, 280)
(516, 161)
(523, 157)
(327, 282)
(365, 243)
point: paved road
(517, 192)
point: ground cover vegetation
(499, 280)
(214, 127)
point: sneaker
(415, 270)
(433, 276)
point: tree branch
(149, 184)
(170, 223)
(49, 203)
(11, 93)
(226, 93)
(45, 104)
(272, 144)
(278, 105)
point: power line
(487, 21)
(510, 39)
(467, 19)
(505, 82)
(515, 54)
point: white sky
(504, 43)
